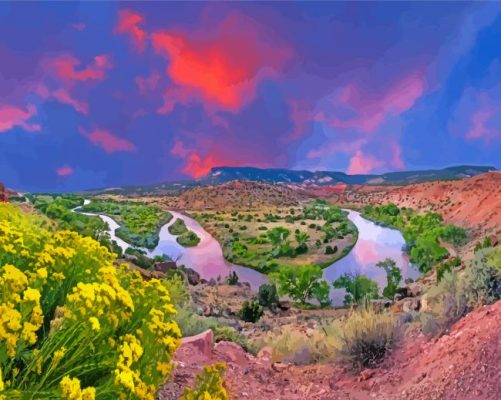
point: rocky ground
(463, 364)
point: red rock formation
(4, 197)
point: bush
(302, 284)
(331, 250)
(251, 311)
(209, 385)
(366, 337)
(232, 278)
(447, 267)
(268, 296)
(359, 289)
(72, 321)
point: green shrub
(359, 289)
(331, 250)
(232, 278)
(447, 267)
(268, 296)
(251, 311)
(209, 385)
(302, 283)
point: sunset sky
(107, 94)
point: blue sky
(106, 94)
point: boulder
(410, 305)
(232, 352)
(381, 305)
(165, 266)
(202, 342)
(192, 276)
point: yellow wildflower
(1, 381)
(89, 393)
(71, 388)
(58, 355)
(94, 323)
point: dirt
(463, 364)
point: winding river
(374, 244)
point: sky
(105, 94)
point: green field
(316, 233)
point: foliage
(209, 386)
(139, 223)
(251, 311)
(232, 278)
(366, 337)
(72, 324)
(447, 266)
(422, 233)
(483, 245)
(458, 293)
(302, 284)
(268, 296)
(331, 250)
(359, 289)
(393, 277)
(178, 227)
(185, 237)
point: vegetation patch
(267, 239)
(139, 223)
(422, 233)
(185, 237)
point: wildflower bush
(209, 385)
(72, 325)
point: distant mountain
(220, 175)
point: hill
(219, 175)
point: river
(374, 244)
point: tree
(268, 296)
(302, 284)
(278, 235)
(393, 277)
(358, 288)
(301, 239)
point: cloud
(65, 171)
(362, 163)
(12, 116)
(68, 68)
(364, 109)
(128, 23)
(64, 96)
(220, 66)
(147, 83)
(107, 141)
(79, 26)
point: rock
(165, 266)
(424, 303)
(381, 305)
(232, 352)
(212, 282)
(193, 276)
(411, 304)
(265, 355)
(279, 367)
(207, 311)
(284, 305)
(202, 342)
(415, 289)
(366, 374)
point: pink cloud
(79, 26)
(336, 146)
(107, 141)
(65, 171)
(128, 22)
(479, 129)
(366, 111)
(12, 116)
(211, 67)
(67, 68)
(362, 163)
(396, 158)
(147, 83)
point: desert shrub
(359, 289)
(331, 250)
(232, 278)
(458, 293)
(263, 228)
(302, 283)
(295, 347)
(72, 324)
(209, 385)
(366, 337)
(188, 239)
(447, 267)
(251, 311)
(268, 296)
